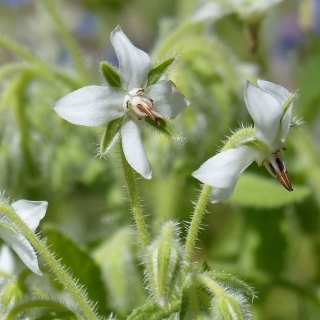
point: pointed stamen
(281, 174)
(141, 106)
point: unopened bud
(163, 263)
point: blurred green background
(265, 235)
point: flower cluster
(270, 107)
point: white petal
(91, 106)
(282, 95)
(285, 123)
(223, 170)
(31, 212)
(133, 148)
(22, 247)
(265, 111)
(6, 260)
(278, 92)
(218, 195)
(167, 100)
(134, 64)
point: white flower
(31, 212)
(98, 105)
(270, 107)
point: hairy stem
(135, 202)
(196, 222)
(37, 304)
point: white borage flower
(270, 107)
(31, 212)
(134, 100)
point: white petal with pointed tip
(134, 64)
(167, 100)
(280, 93)
(91, 106)
(223, 170)
(133, 148)
(266, 112)
(31, 212)
(22, 247)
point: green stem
(196, 222)
(64, 278)
(36, 304)
(135, 202)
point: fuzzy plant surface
(132, 168)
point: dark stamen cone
(284, 180)
(282, 176)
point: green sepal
(229, 308)
(152, 311)
(160, 70)
(233, 283)
(163, 264)
(110, 74)
(164, 128)
(82, 265)
(110, 135)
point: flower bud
(230, 307)
(163, 264)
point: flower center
(140, 106)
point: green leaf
(110, 74)
(164, 128)
(160, 70)
(267, 228)
(110, 135)
(80, 263)
(257, 191)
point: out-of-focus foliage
(265, 235)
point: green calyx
(243, 136)
(160, 70)
(110, 136)
(163, 262)
(110, 74)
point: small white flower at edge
(31, 212)
(98, 105)
(270, 107)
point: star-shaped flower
(132, 102)
(270, 107)
(31, 212)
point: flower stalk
(196, 222)
(135, 202)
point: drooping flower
(270, 107)
(31, 212)
(132, 101)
